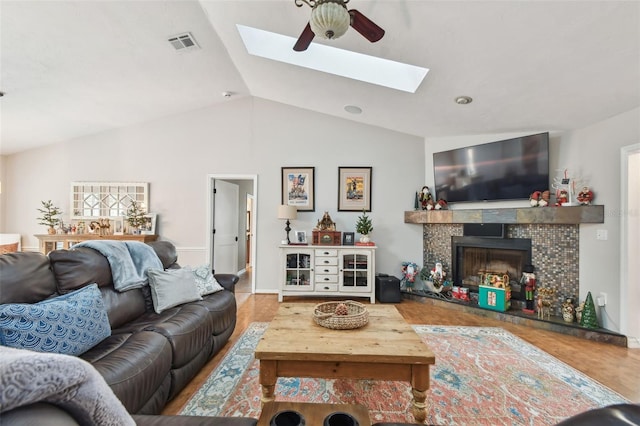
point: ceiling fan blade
(365, 26)
(305, 39)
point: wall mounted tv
(510, 169)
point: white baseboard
(633, 342)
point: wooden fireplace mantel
(525, 215)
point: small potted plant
(49, 216)
(364, 227)
(135, 216)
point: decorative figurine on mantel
(426, 199)
(565, 189)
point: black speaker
(489, 230)
(388, 289)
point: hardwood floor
(615, 367)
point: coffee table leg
(268, 380)
(419, 387)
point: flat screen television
(510, 169)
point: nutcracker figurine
(528, 280)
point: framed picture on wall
(298, 188)
(354, 189)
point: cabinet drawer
(326, 252)
(321, 279)
(320, 287)
(323, 261)
(322, 269)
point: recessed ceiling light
(463, 100)
(353, 109)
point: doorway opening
(231, 212)
(630, 246)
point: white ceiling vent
(183, 42)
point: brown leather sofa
(149, 357)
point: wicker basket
(324, 315)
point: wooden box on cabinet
(327, 238)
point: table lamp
(287, 213)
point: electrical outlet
(602, 299)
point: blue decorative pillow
(70, 324)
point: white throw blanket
(129, 261)
(69, 382)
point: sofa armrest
(228, 281)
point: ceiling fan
(330, 19)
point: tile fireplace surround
(554, 234)
(554, 253)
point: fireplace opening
(474, 256)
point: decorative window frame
(91, 200)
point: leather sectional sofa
(149, 357)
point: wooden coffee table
(387, 348)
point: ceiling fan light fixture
(329, 19)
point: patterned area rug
(482, 376)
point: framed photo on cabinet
(348, 238)
(298, 188)
(354, 189)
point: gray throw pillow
(171, 288)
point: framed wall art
(354, 189)
(298, 188)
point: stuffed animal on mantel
(544, 198)
(534, 198)
(426, 199)
(585, 196)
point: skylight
(344, 63)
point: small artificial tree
(49, 215)
(135, 215)
(363, 225)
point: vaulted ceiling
(75, 68)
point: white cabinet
(328, 271)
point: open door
(224, 253)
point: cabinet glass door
(355, 271)
(298, 271)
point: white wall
(592, 153)
(247, 136)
